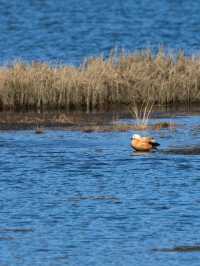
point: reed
(141, 113)
(99, 84)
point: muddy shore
(54, 120)
(96, 121)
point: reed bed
(100, 84)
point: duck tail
(155, 144)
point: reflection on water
(74, 198)
(144, 153)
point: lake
(75, 198)
(69, 31)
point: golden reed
(101, 83)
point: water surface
(73, 198)
(68, 31)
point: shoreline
(87, 122)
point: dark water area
(74, 198)
(68, 31)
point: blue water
(67, 31)
(73, 198)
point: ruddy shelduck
(143, 143)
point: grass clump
(165, 125)
(141, 113)
(100, 83)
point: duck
(140, 143)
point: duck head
(135, 136)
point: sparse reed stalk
(100, 83)
(141, 112)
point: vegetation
(142, 112)
(99, 84)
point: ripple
(96, 198)
(16, 230)
(179, 249)
(9, 238)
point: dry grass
(98, 84)
(39, 130)
(141, 112)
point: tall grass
(101, 83)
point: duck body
(139, 143)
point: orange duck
(143, 143)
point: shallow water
(72, 198)
(70, 30)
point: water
(68, 31)
(73, 198)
